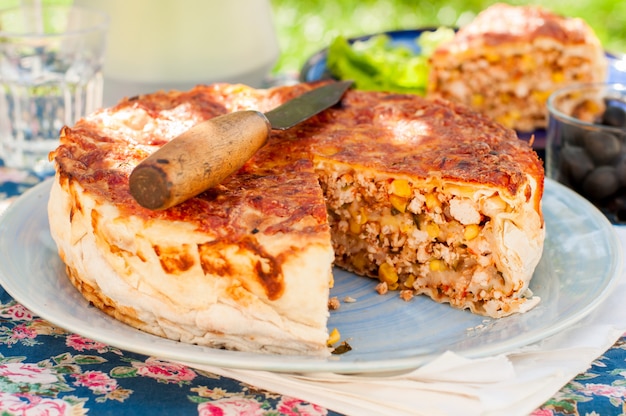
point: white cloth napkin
(513, 384)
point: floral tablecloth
(47, 370)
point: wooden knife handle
(198, 159)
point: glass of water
(51, 60)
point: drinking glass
(51, 60)
(586, 144)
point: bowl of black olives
(586, 144)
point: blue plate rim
(156, 346)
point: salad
(377, 64)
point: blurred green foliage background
(306, 26)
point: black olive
(571, 134)
(575, 163)
(620, 168)
(600, 183)
(603, 147)
(614, 116)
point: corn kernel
(433, 230)
(528, 62)
(401, 188)
(333, 337)
(558, 77)
(471, 231)
(387, 273)
(541, 96)
(358, 212)
(593, 106)
(362, 218)
(437, 265)
(355, 227)
(393, 286)
(432, 202)
(358, 218)
(406, 227)
(398, 202)
(509, 118)
(477, 100)
(358, 261)
(505, 120)
(492, 57)
(409, 281)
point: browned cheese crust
(247, 265)
(508, 60)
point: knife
(210, 151)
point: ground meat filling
(415, 241)
(507, 61)
(524, 80)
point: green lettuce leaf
(376, 64)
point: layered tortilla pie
(426, 196)
(508, 60)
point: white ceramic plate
(580, 264)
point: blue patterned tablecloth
(47, 370)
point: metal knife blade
(206, 154)
(306, 105)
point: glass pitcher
(177, 44)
